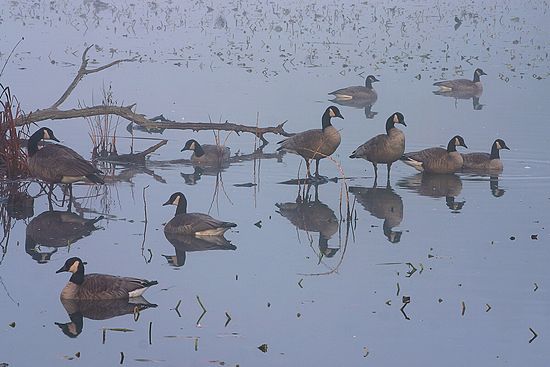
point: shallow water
(314, 289)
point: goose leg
(389, 169)
(50, 204)
(307, 167)
(317, 168)
(70, 197)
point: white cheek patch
(46, 135)
(395, 119)
(457, 141)
(73, 269)
(331, 113)
(498, 145)
(176, 201)
(192, 146)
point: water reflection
(358, 103)
(55, 229)
(462, 95)
(98, 310)
(185, 243)
(313, 216)
(448, 186)
(382, 203)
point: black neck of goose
(389, 125)
(199, 152)
(495, 152)
(32, 144)
(451, 147)
(326, 120)
(368, 83)
(476, 77)
(78, 277)
(182, 206)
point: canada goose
(366, 93)
(56, 229)
(58, 164)
(184, 243)
(462, 85)
(384, 148)
(196, 224)
(382, 203)
(100, 286)
(316, 143)
(485, 161)
(98, 310)
(207, 154)
(437, 160)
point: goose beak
(61, 270)
(403, 122)
(167, 203)
(464, 145)
(182, 149)
(375, 80)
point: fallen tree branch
(126, 112)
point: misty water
(428, 270)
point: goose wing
(196, 222)
(103, 286)
(476, 158)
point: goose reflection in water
(98, 310)
(55, 229)
(382, 203)
(185, 243)
(365, 104)
(448, 186)
(462, 95)
(313, 216)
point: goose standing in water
(58, 164)
(316, 143)
(437, 160)
(384, 148)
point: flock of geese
(58, 164)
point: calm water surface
(469, 252)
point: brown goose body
(55, 164)
(384, 148)
(196, 224)
(485, 162)
(207, 154)
(437, 160)
(316, 143)
(364, 93)
(471, 87)
(100, 286)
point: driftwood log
(127, 112)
